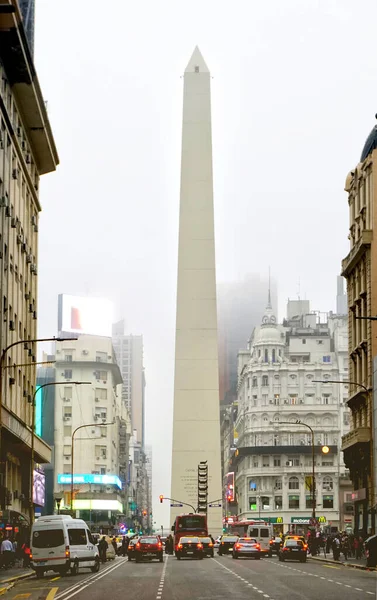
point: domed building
(282, 381)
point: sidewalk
(9, 576)
(355, 563)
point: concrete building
(149, 470)
(96, 469)
(359, 269)
(27, 151)
(240, 307)
(129, 353)
(277, 387)
(196, 426)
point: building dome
(370, 144)
(267, 335)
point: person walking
(102, 547)
(115, 545)
(124, 547)
(336, 548)
(6, 550)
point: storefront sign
(300, 520)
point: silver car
(247, 547)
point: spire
(269, 317)
(196, 62)
(269, 305)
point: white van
(60, 543)
(263, 534)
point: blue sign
(91, 478)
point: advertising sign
(39, 488)
(80, 314)
(90, 478)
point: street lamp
(37, 388)
(72, 449)
(2, 358)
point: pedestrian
(114, 545)
(124, 547)
(6, 550)
(26, 554)
(102, 547)
(336, 548)
(345, 546)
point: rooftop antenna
(269, 288)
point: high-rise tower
(28, 14)
(196, 427)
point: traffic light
(144, 513)
(203, 487)
(161, 499)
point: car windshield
(187, 540)
(293, 543)
(48, 538)
(247, 541)
(205, 540)
(229, 539)
(148, 540)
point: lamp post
(313, 460)
(2, 366)
(72, 450)
(32, 459)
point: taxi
(226, 544)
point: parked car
(60, 543)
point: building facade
(129, 354)
(97, 486)
(27, 8)
(359, 269)
(27, 151)
(285, 378)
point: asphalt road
(220, 578)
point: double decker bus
(189, 524)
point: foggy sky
(294, 93)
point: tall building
(129, 353)
(148, 465)
(27, 8)
(27, 151)
(285, 377)
(240, 307)
(98, 496)
(359, 269)
(196, 426)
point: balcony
(353, 257)
(360, 435)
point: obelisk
(196, 421)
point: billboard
(81, 314)
(39, 488)
(90, 478)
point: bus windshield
(191, 523)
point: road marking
(22, 596)
(78, 587)
(330, 567)
(244, 580)
(55, 578)
(51, 594)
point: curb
(16, 578)
(345, 564)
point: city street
(219, 578)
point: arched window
(327, 484)
(266, 355)
(273, 355)
(293, 483)
(278, 484)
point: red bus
(240, 527)
(189, 524)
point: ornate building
(285, 378)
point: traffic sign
(215, 505)
(175, 505)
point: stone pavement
(356, 563)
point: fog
(293, 99)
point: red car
(149, 547)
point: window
(68, 357)
(77, 537)
(264, 400)
(255, 382)
(255, 463)
(101, 356)
(328, 501)
(67, 413)
(294, 501)
(325, 438)
(326, 359)
(319, 342)
(327, 462)
(67, 450)
(303, 341)
(265, 380)
(326, 399)
(327, 484)
(265, 503)
(276, 461)
(266, 356)
(101, 393)
(293, 484)
(101, 413)
(278, 484)
(252, 485)
(308, 502)
(253, 503)
(276, 438)
(68, 373)
(291, 439)
(278, 502)
(265, 461)
(103, 431)
(273, 355)
(254, 400)
(101, 375)
(276, 398)
(293, 399)
(346, 419)
(48, 538)
(67, 429)
(67, 393)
